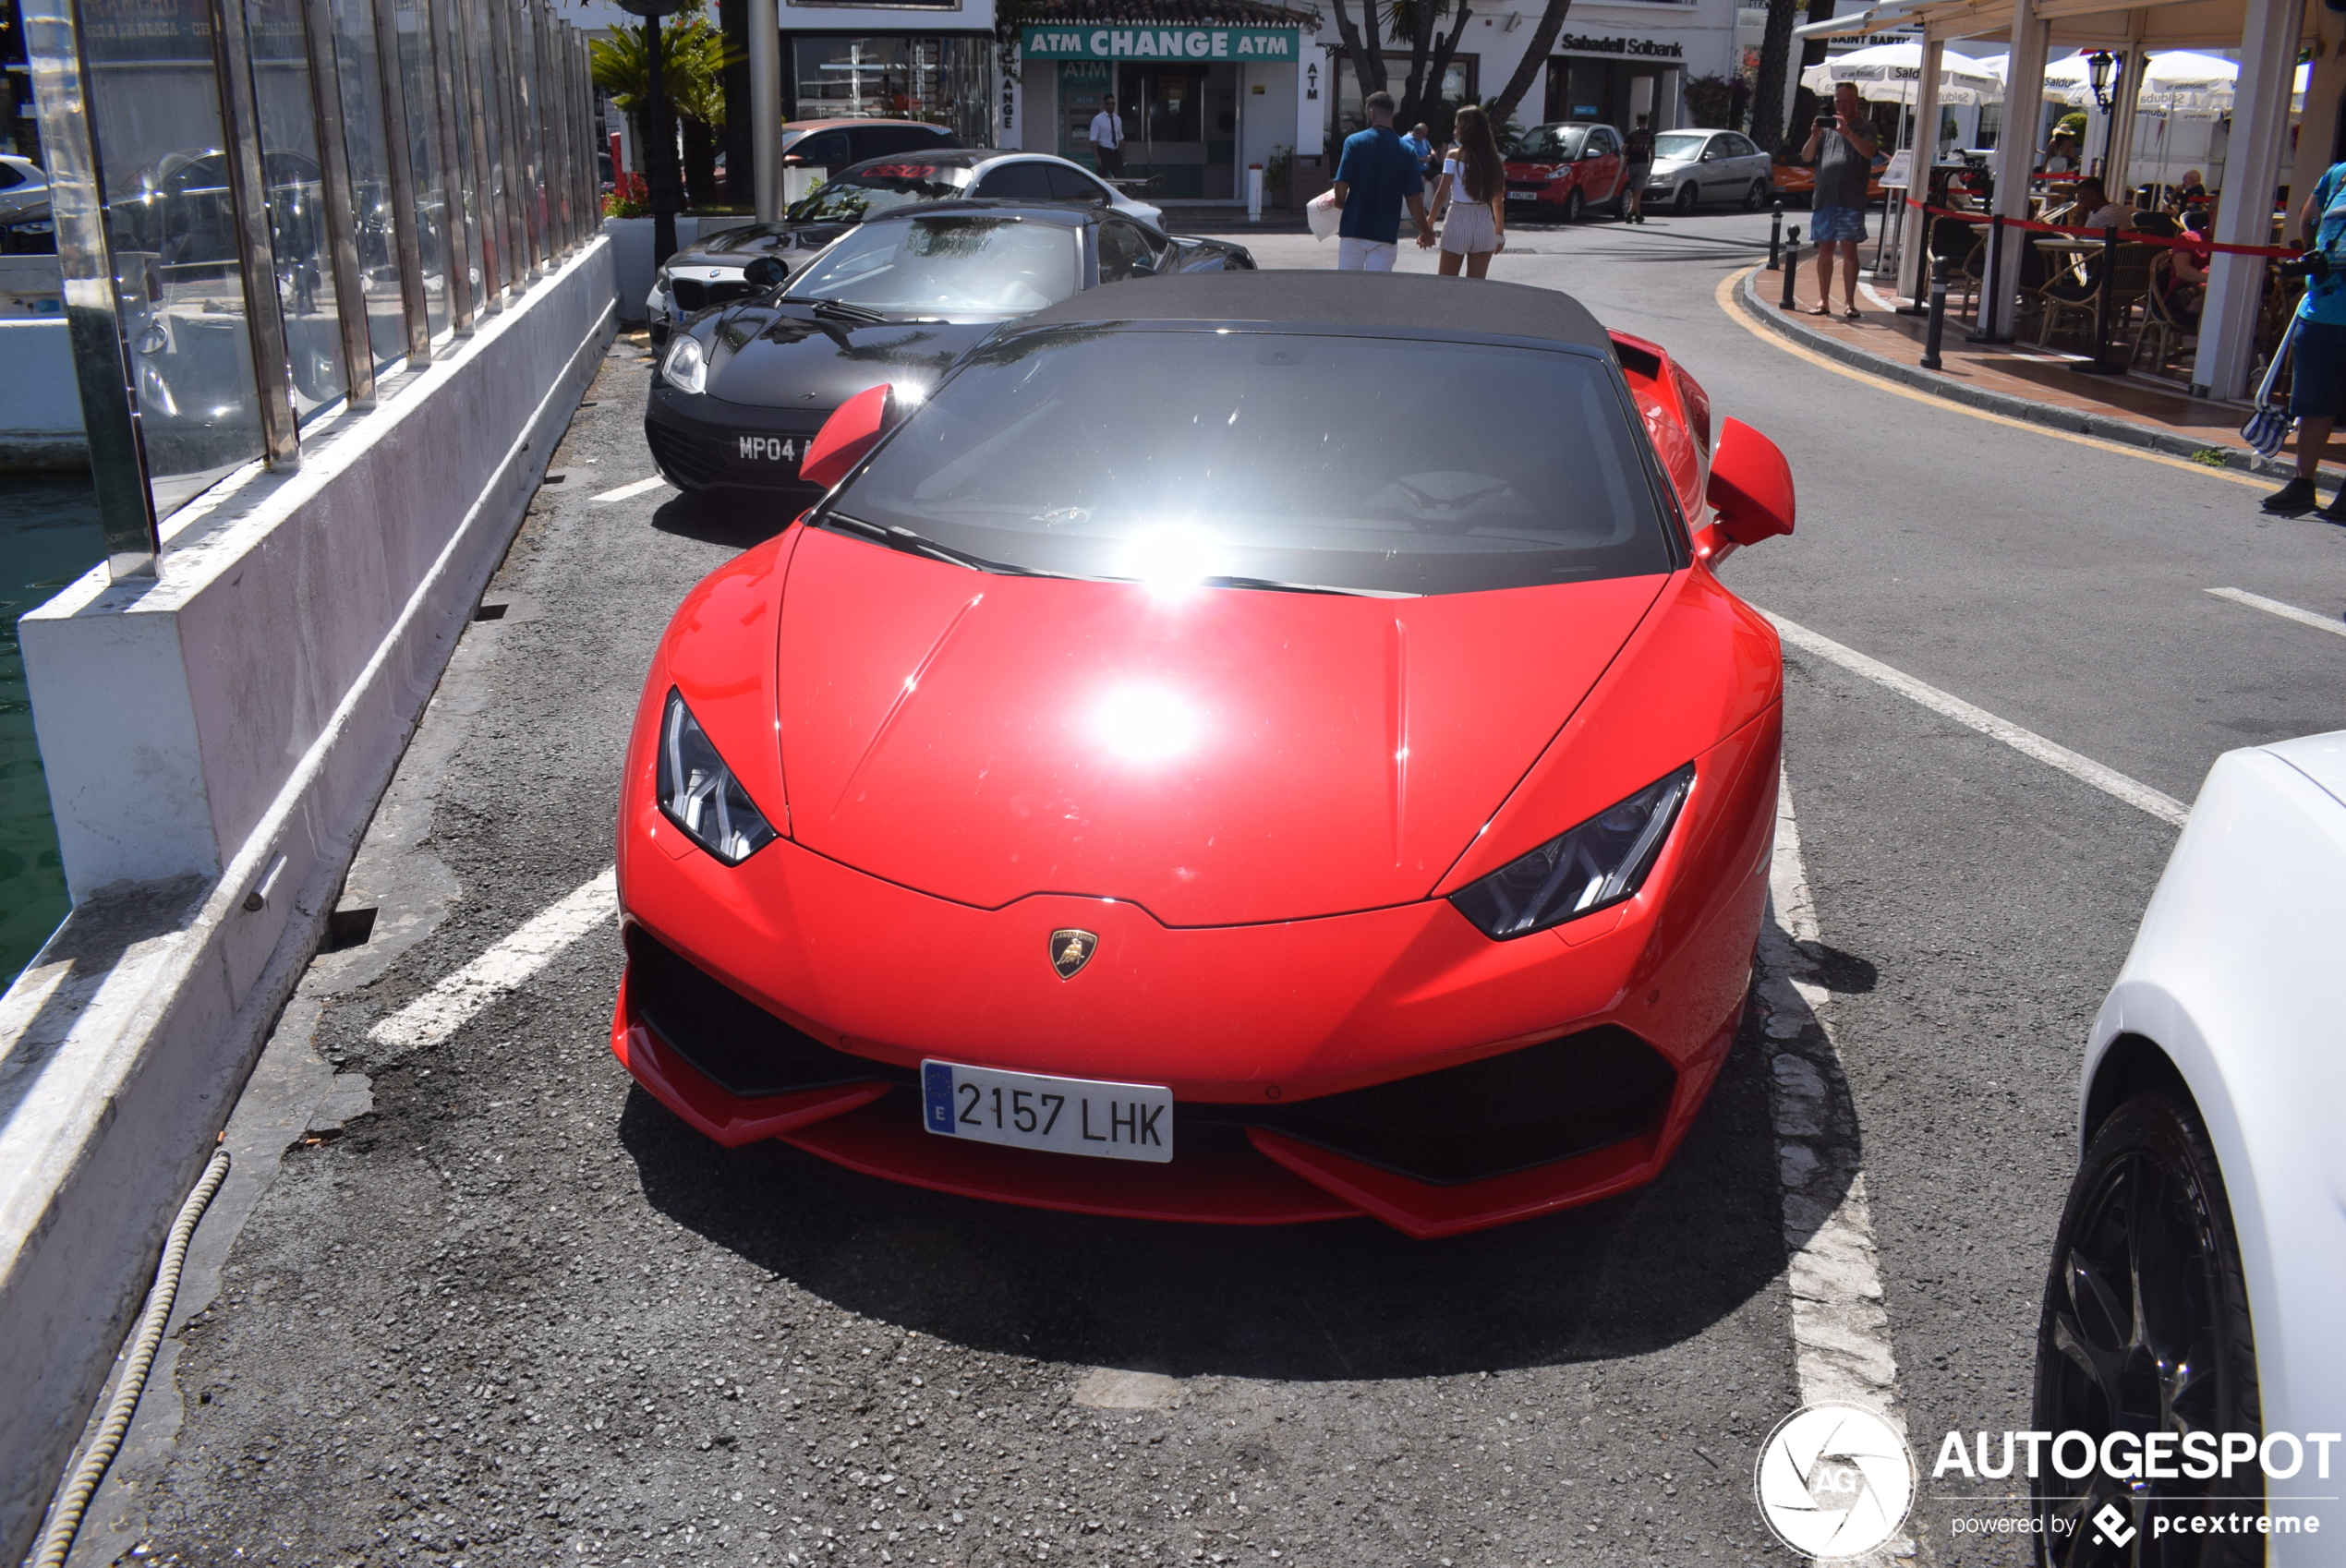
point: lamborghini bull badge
(1070, 950)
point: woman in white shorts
(1470, 199)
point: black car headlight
(1595, 866)
(686, 367)
(699, 793)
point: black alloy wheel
(1572, 205)
(2146, 1328)
(1756, 196)
(1686, 200)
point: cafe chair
(2165, 333)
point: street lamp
(660, 132)
(2097, 72)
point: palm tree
(693, 63)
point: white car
(2199, 1281)
(708, 272)
(24, 191)
(1691, 167)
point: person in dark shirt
(1375, 176)
(1842, 145)
(1636, 162)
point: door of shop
(1180, 124)
(1612, 92)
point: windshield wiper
(839, 309)
(1269, 585)
(918, 544)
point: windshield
(949, 264)
(882, 187)
(1679, 144)
(1549, 144)
(1356, 464)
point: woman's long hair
(1485, 171)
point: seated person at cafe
(2061, 155)
(2094, 210)
(2186, 287)
(2193, 192)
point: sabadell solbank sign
(1581, 43)
(1161, 43)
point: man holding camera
(1842, 145)
(2317, 368)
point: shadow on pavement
(1342, 1301)
(732, 519)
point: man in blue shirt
(2317, 359)
(1420, 145)
(1375, 176)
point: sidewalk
(2019, 381)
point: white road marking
(638, 488)
(2286, 612)
(1840, 1328)
(441, 1010)
(2109, 780)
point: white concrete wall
(215, 742)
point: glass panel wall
(155, 120)
(297, 200)
(420, 86)
(360, 89)
(189, 176)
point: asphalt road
(497, 1306)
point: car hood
(804, 240)
(785, 361)
(1230, 757)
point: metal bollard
(1775, 237)
(1939, 267)
(1991, 273)
(1791, 263)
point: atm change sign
(1073, 43)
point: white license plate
(776, 453)
(1066, 1116)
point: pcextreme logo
(1834, 1481)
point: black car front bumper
(705, 443)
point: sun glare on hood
(1145, 724)
(1172, 561)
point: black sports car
(739, 391)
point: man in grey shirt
(1841, 146)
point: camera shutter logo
(1834, 1481)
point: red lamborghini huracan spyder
(1251, 748)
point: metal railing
(264, 206)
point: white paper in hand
(1323, 214)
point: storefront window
(1458, 88)
(942, 80)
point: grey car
(1691, 167)
(24, 191)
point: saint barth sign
(1065, 43)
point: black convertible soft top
(1329, 298)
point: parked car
(1101, 800)
(1691, 167)
(24, 191)
(742, 387)
(1558, 172)
(2197, 1275)
(710, 271)
(834, 144)
(1795, 184)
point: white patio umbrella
(1891, 73)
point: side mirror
(1750, 491)
(763, 271)
(848, 436)
(1142, 270)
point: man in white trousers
(1375, 176)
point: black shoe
(2335, 511)
(2295, 498)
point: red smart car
(1558, 172)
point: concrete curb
(2051, 415)
(123, 1045)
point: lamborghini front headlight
(1593, 867)
(699, 793)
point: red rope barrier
(2126, 235)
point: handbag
(2267, 428)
